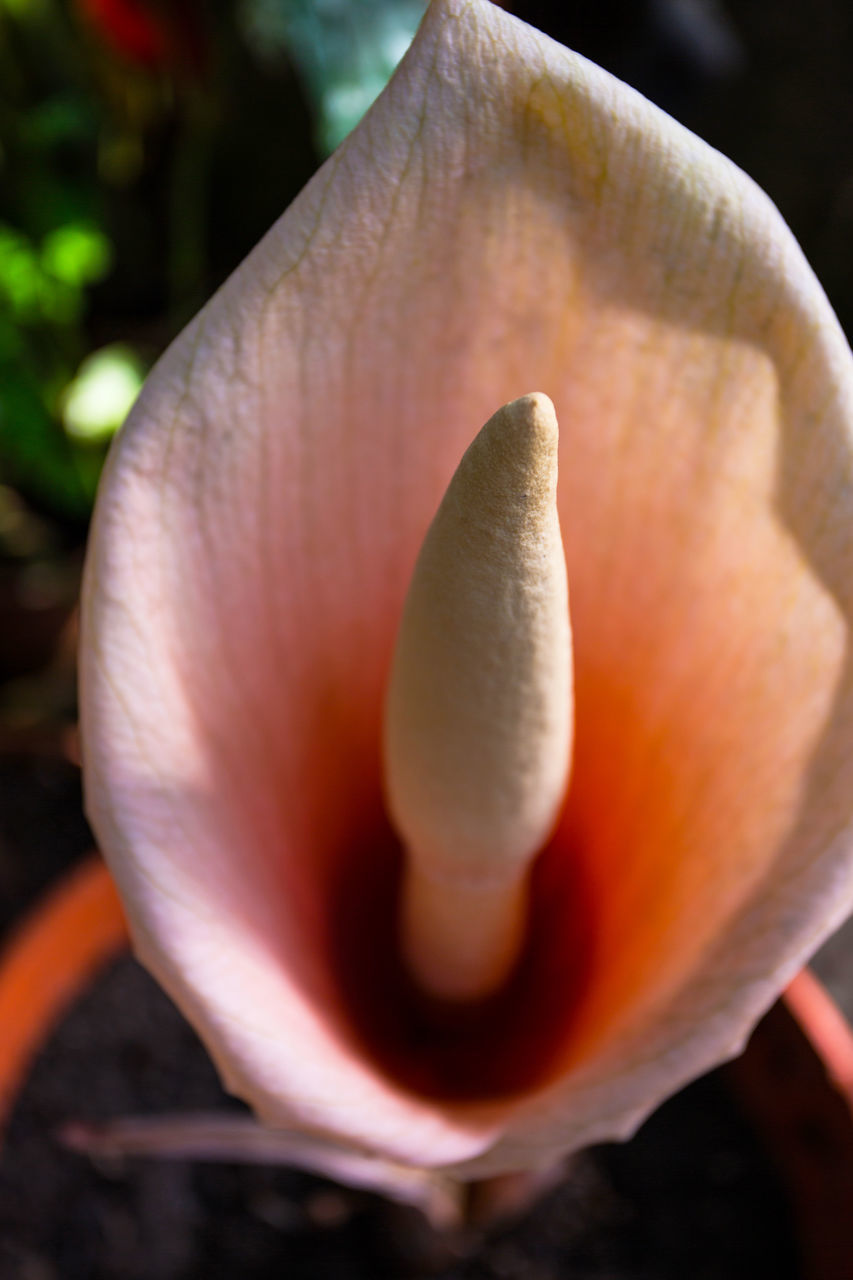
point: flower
(506, 219)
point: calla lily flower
(507, 219)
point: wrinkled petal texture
(508, 218)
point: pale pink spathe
(507, 218)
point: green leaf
(99, 398)
(77, 254)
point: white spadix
(478, 718)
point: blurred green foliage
(97, 401)
(145, 145)
(43, 289)
(346, 51)
(54, 248)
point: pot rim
(48, 958)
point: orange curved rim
(74, 929)
(826, 1027)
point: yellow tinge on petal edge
(506, 218)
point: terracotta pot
(76, 928)
(795, 1082)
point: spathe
(506, 218)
